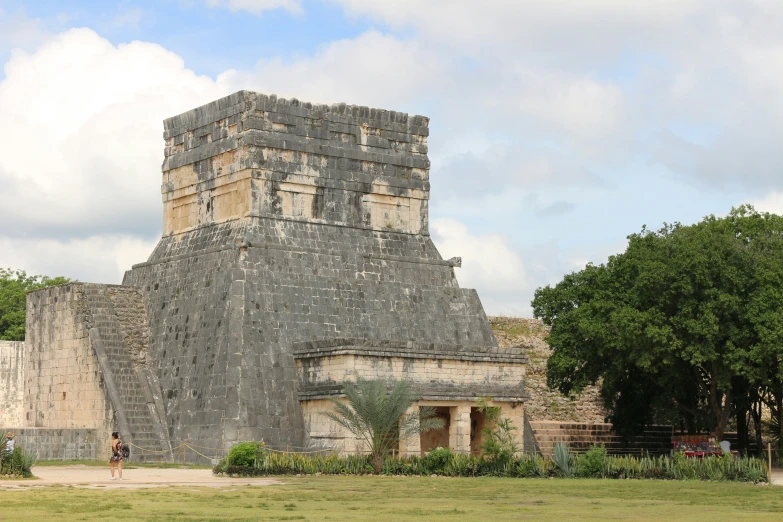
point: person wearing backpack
(117, 454)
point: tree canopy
(14, 285)
(685, 325)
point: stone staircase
(119, 333)
(656, 440)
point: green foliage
(679, 326)
(592, 463)
(498, 441)
(446, 463)
(14, 285)
(379, 417)
(244, 454)
(17, 462)
(563, 460)
(436, 460)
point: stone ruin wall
(63, 383)
(11, 383)
(544, 403)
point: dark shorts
(116, 457)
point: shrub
(441, 461)
(17, 462)
(592, 463)
(435, 461)
(243, 454)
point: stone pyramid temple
(295, 257)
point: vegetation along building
(295, 257)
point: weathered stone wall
(287, 222)
(11, 383)
(545, 404)
(63, 444)
(257, 154)
(86, 365)
(435, 371)
(63, 381)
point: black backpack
(125, 451)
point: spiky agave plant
(563, 459)
(379, 416)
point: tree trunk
(377, 461)
(720, 403)
(779, 401)
(742, 430)
(755, 412)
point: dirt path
(98, 478)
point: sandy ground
(93, 477)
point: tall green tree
(683, 321)
(14, 285)
(379, 417)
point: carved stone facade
(295, 257)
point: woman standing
(116, 455)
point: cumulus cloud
(489, 264)
(372, 69)
(82, 156)
(609, 81)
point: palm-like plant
(378, 416)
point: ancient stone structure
(295, 257)
(11, 383)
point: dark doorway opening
(437, 438)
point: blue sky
(557, 128)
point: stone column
(516, 413)
(459, 430)
(411, 445)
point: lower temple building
(295, 257)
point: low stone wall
(61, 444)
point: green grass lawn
(407, 498)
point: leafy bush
(436, 460)
(244, 454)
(17, 462)
(592, 463)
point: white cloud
(95, 259)
(258, 6)
(771, 202)
(372, 69)
(608, 80)
(489, 264)
(82, 156)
